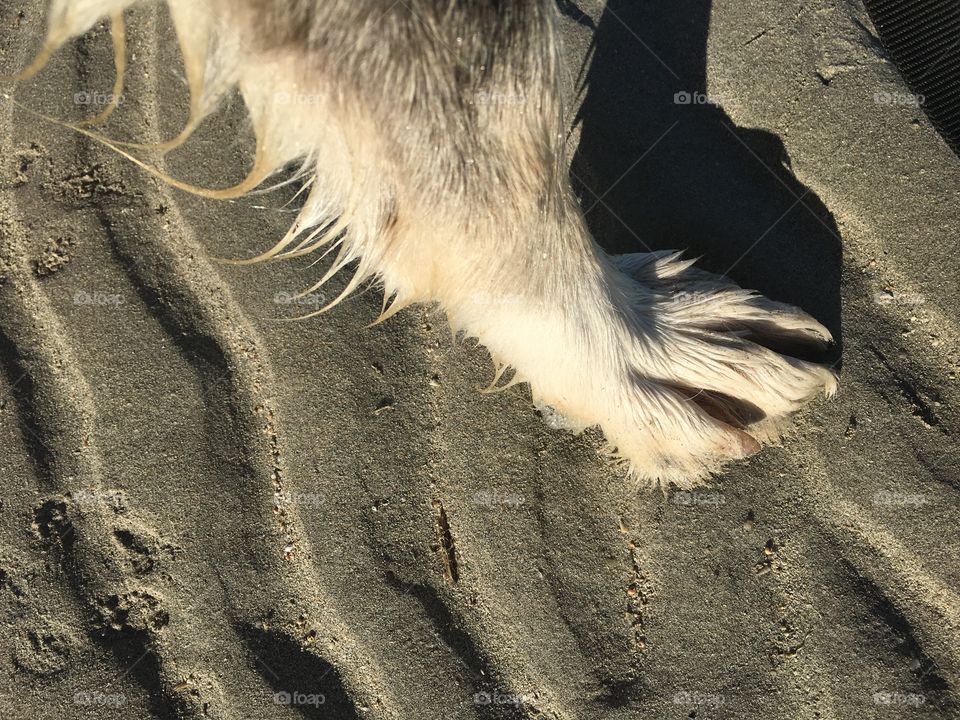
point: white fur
(642, 345)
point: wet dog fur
(433, 154)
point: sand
(209, 511)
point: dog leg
(433, 134)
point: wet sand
(209, 511)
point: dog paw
(690, 371)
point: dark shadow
(462, 644)
(22, 388)
(703, 185)
(902, 640)
(299, 678)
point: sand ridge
(210, 512)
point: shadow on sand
(659, 168)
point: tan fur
(670, 361)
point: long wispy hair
(430, 138)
